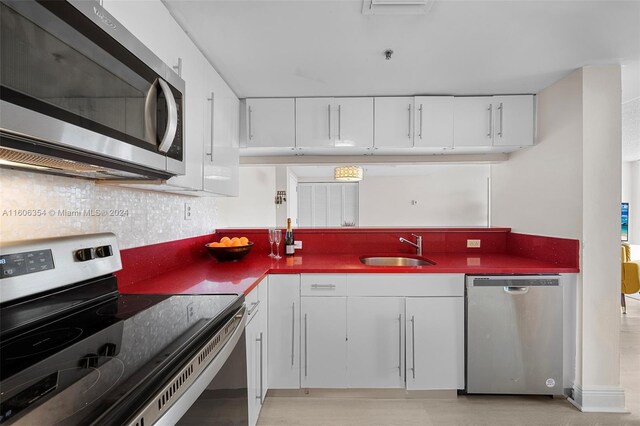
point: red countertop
(207, 276)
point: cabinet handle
(339, 123)
(490, 109)
(250, 127)
(293, 329)
(323, 286)
(413, 346)
(329, 115)
(259, 396)
(305, 345)
(210, 154)
(420, 134)
(254, 306)
(500, 109)
(409, 128)
(400, 345)
(176, 68)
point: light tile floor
(467, 410)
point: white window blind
(327, 205)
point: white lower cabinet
(435, 342)
(376, 342)
(256, 341)
(284, 331)
(324, 342)
(366, 331)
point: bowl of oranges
(229, 249)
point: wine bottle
(289, 242)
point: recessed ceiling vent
(396, 7)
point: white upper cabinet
(473, 121)
(494, 121)
(433, 121)
(313, 123)
(216, 173)
(268, 123)
(394, 120)
(514, 120)
(354, 127)
(334, 123)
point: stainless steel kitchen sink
(395, 261)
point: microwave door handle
(150, 117)
(172, 113)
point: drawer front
(253, 302)
(406, 285)
(323, 285)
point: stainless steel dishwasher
(514, 334)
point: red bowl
(229, 254)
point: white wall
(539, 190)
(446, 195)
(151, 217)
(568, 185)
(255, 206)
(631, 195)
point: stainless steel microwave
(80, 95)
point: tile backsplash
(34, 205)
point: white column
(597, 386)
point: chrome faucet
(417, 244)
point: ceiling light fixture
(348, 173)
(387, 54)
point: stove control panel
(15, 264)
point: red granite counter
(184, 267)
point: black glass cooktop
(95, 364)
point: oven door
(72, 76)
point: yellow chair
(630, 275)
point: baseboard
(598, 399)
(364, 393)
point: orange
(235, 241)
(244, 241)
(224, 240)
(215, 244)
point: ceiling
(267, 48)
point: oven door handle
(172, 117)
(184, 401)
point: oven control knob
(108, 349)
(85, 254)
(89, 361)
(104, 251)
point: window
(327, 205)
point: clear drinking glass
(277, 237)
(271, 238)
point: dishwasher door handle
(515, 290)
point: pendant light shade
(348, 173)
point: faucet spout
(417, 244)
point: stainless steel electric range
(76, 352)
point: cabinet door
(514, 120)
(376, 342)
(324, 342)
(270, 122)
(284, 332)
(393, 122)
(473, 121)
(221, 153)
(434, 121)
(354, 122)
(435, 342)
(263, 319)
(252, 333)
(313, 122)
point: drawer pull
(323, 286)
(254, 306)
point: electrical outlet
(189, 311)
(187, 211)
(473, 243)
(297, 244)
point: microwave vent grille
(45, 161)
